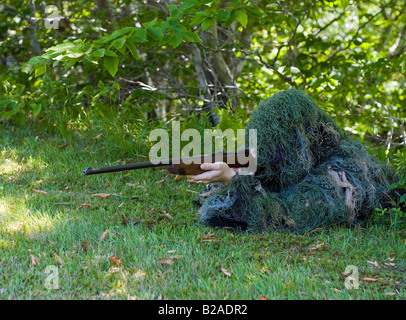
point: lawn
(50, 217)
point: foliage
(173, 58)
(395, 216)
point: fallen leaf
(166, 214)
(369, 279)
(209, 238)
(263, 298)
(390, 293)
(34, 260)
(58, 259)
(121, 205)
(375, 264)
(38, 182)
(85, 205)
(178, 177)
(116, 260)
(40, 191)
(108, 184)
(390, 264)
(392, 253)
(114, 270)
(164, 261)
(316, 247)
(175, 257)
(104, 235)
(102, 195)
(171, 251)
(226, 272)
(192, 191)
(160, 181)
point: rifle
(181, 166)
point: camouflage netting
(310, 174)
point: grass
(206, 263)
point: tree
(172, 58)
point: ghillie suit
(310, 174)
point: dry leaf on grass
(160, 181)
(34, 260)
(114, 270)
(104, 235)
(175, 257)
(40, 191)
(164, 261)
(226, 272)
(166, 214)
(209, 238)
(116, 260)
(369, 279)
(390, 264)
(178, 177)
(263, 298)
(85, 205)
(102, 195)
(375, 264)
(316, 247)
(58, 259)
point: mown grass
(53, 228)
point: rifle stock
(180, 166)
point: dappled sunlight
(16, 217)
(9, 167)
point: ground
(157, 250)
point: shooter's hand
(215, 172)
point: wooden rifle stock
(181, 166)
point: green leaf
(242, 18)
(62, 47)
(10, 113)
(155, 33)
(115, 34)
(207, 23)
(133, 49)
(189, 4)
(223, 15)
(111, 64)
(176, 40)
(199, 17)
(36, 109)
(118, 43)
(109, 53)
(138, 35)
(98, 53)
(173, 9)
(256, 11)
(41, 69)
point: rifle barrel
(125, 167)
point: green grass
(48, 226)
